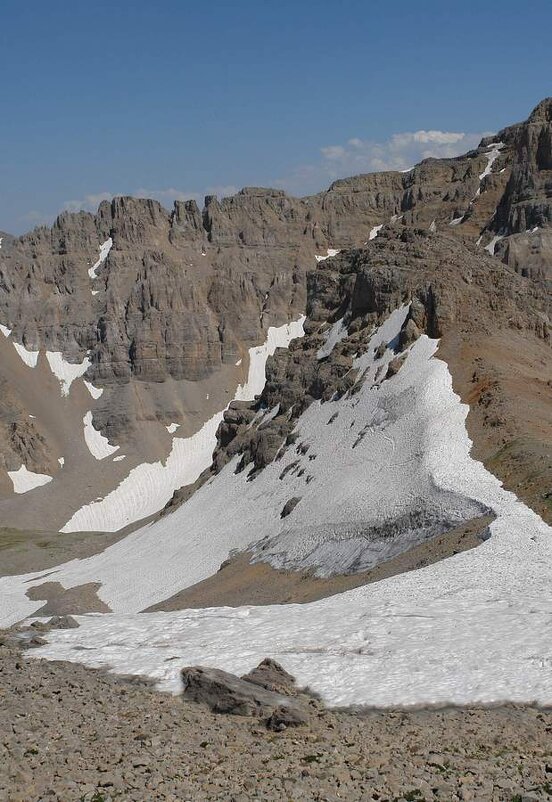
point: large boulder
(270, 675)
(223, 692)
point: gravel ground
(70, 733)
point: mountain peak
(542, 111)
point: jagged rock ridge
(168, 315)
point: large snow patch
(149, 486)
(472, 628)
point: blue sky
(182, 98)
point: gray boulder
(223, 692)
(270, 675)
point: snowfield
(329, 253)
(98, 445)
(25, 480)
(95, 392)
(493, 153)
(30, 358)
(149, 486)
(105, 247)
(65, 371)
(471, 628)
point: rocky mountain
(128, 330)
(458, 293)
(343, 405)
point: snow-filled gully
(150, 485)
(473, 628)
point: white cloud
(400, 152)
(335, 152)
(222, 191)
(35, 218)
(165, 196)
(435, 137)
(88, 204)
(168, 196)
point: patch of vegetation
(311, 758)
(415, 795)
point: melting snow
(491, 247)
(65, 371)
(98, 445)
(270, 415)
(335, 334)
(119, 458)
(25, 480)
(470, 629)
(330, 252)
(493, 154)
(375, 231)
(104, 252)
(149, 486)
(95, 392)
(61, 461)
(5, 331)
(279, 337)
(171, 428)
(30, 358)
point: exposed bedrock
(175, 298)
(457, 293)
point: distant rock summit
(125, 333)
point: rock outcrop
(456, 292)
(253, 694)
(165, 304)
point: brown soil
(71, 734)
(240, 582)
(506, 380)
(76, 600)
(23, 552)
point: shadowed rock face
(182, 294)
(173, 300)
(263, 693)
(527, 200)
(526, 204)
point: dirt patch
(61, 601)
(240, 581)
(23, 552)
(506, 380)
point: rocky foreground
(70, 733)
